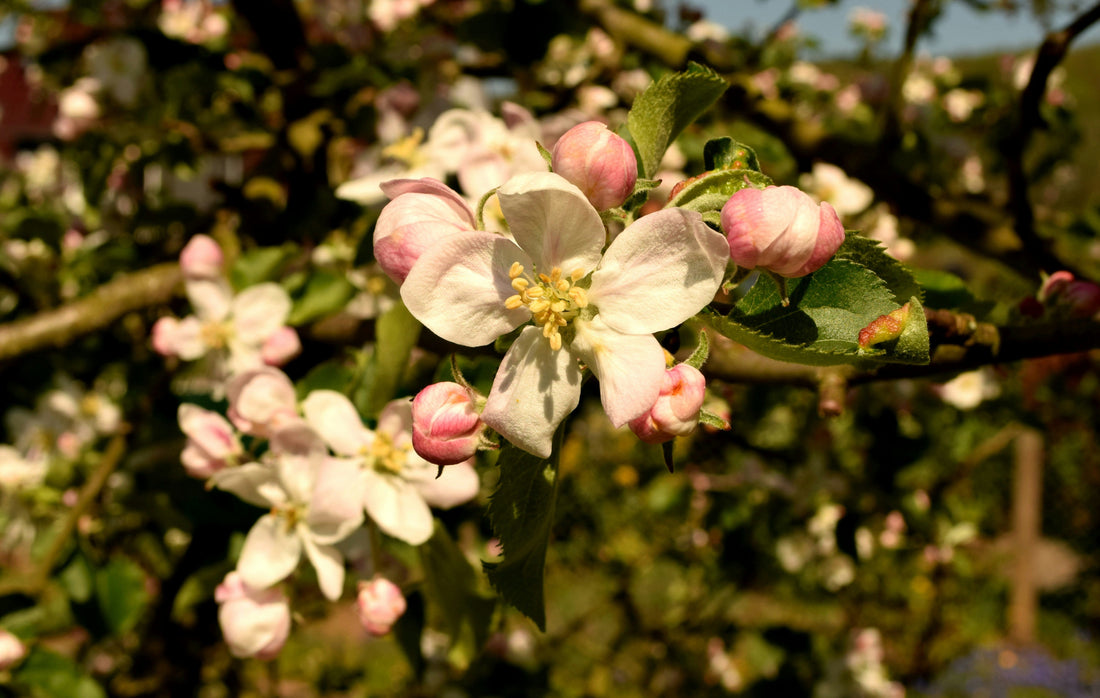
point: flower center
(553, 299)
(290, 514)
(216, 335)
(407, 149)
(384, 455)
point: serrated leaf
(870, 253)
(521, 513)
(120, 591)
(53, 675)
(727, 154)
(396, 332)
(711, 191)
(667, 107)
(450, 582)
(821, 325)
(324, 294)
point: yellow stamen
(552, 298)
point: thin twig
(34, 583)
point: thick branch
(1013, 343)
(60, 326)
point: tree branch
(60, 326)
(1051, 52)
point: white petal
(630, 367)
(396, 421)
(187, 341)
(260, 310)
(210, 298)
(661, 270)
(458, 484)
(270, 553)
(337, 421)
(336, 508)
(552, 221)
(534, 389)
(299, 454)
(329, 565)
(397, 507)
(458, 288)
(254, 483)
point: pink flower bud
(1081, 298)
(781, 229)
(422, 212)
(281, 347)
(599, 162)
(211, 442)
(261, 401)
(201, 258)
(254, 622)
(446, 425)
(380, 603)
(676, 412)
(12, 650)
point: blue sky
(961, 31)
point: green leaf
(942, 289)
(667, 107)
(324, 294)
(711, 191)
(260, 264)
(451, 583)
(521, 513)
(727, 154)
(870, 253)
(46, 673)
(821, 325)
(396, 332)
(334, 374)
(120, 591)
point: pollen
(553, 298)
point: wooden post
(1026, 533)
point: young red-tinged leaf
(884, 328)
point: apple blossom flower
(780, 229)
(19, 471)
(598, 161)
(479, 148)
(261, 401)
(119, 65)
(398, 486)
(472, 287)
(231, 326)
(446, 425)
(212, 444)
(12, 650)
(379, 603)
(832, 185)
(255, 622)
(676, 411)
(313, 502)
(967, 390)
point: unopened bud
(422, 212)
(446, 424)
(598, 161)
(676, 412)
(781, 229)
(1061, 289)
(254, 622)
(281, 347)
(201, 258)
(380, 603)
